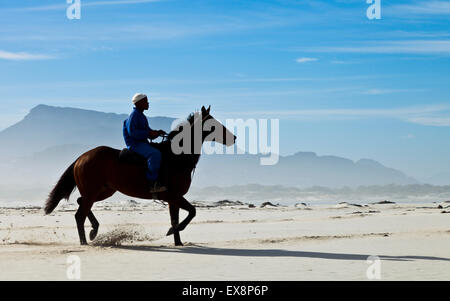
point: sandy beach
(231, 242)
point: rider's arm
(153, 134)
(137, 130)
(156, 134)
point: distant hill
(48, 139)
(303, 169)
(47, 126)
(439, 179)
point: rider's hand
(153, 134)
(161, 132)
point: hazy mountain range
(47, 127)
(37, 149)
(49, 138)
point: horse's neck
(181, 161)
(190, 161)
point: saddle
(130, 157)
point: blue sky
(340, 84)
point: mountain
(303, 169)
(442, 178)
(37, 150)
(47, 126)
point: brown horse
(100, 172)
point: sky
(340, 83)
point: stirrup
(156, 187)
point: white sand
(232, 243)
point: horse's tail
(63, 189)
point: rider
(136, 131)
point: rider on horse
(136, 131)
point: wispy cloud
(390, 47)
(153, 26)
(393, 112)
(340, 62)
(389, 91)
(377, 91)
(116, 2)
(431, 121)
(409, 136)
(421, 7)
(23, 56)
(84, 3)
(305, 59)
(433, 115)
(185, 81)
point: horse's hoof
(170, 232)
(92, 234)
(179, 244)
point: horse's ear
(207, 110)
(203, 109)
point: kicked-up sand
(233, 242)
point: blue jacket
(136, 129)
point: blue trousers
(153, 157)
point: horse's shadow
(203, 250)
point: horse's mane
(180, 160)
(189, 121)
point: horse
(100, 172)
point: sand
(322, 242)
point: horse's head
(198, 128)
(213, 130)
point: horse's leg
(80, 217)
(95, 224)
(175, 218)
(93, 221)
(181, 202)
